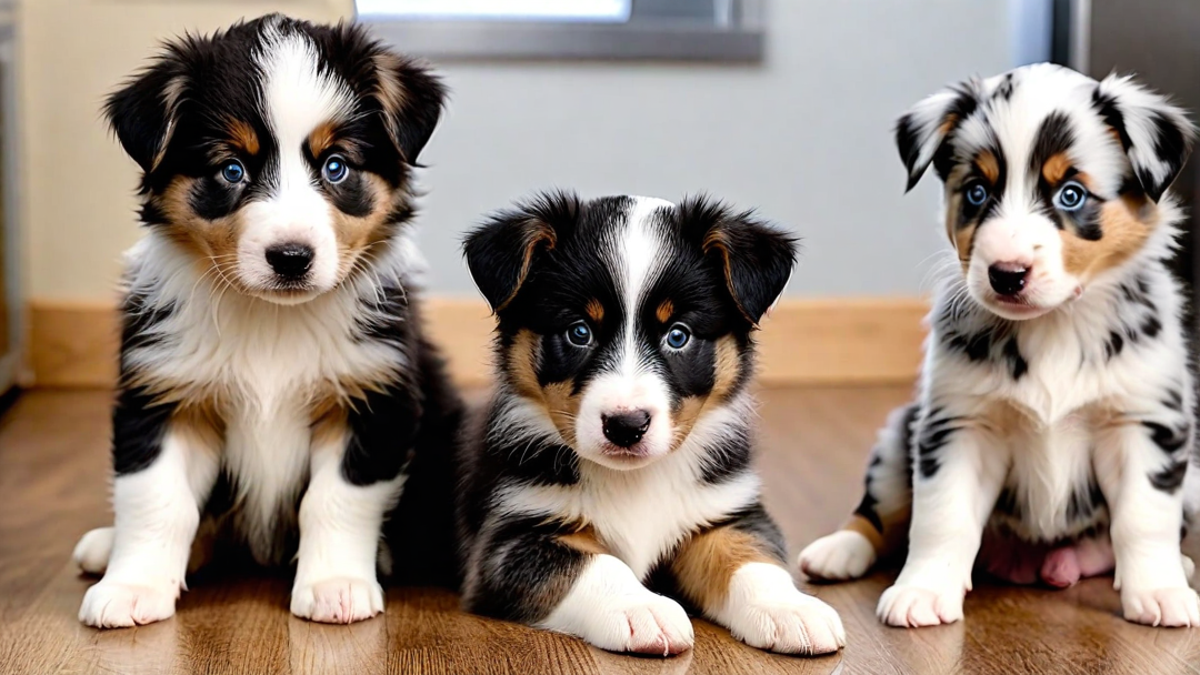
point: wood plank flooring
(53, 487)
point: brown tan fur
(1056, 168)
(357, 236)
(595, 310)
(1126, 225)
(988, 166)
(242, 137)
(665, 311)
(584, 539)
(727, 367)
(537, 234)
(706, 562)
(322, 138)
(557, 399)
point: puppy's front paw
(842, 555)
(645, 623)
(1174, 607)
(793, 623)
(338, 600)
(910, 606)
(93, 550)
(109, 604)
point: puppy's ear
(411, 98)
(143, 112)
(503, 252)
(755, 258)
(1156, 135)
(923, 130)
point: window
(712, 30)
(506, 10)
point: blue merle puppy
(1054, 415)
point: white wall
(804, 136)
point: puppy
(273, 373)
(1054, 415)
(615, 455)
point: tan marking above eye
(322, 138)
(665, 311)
(988, 165)
(1056, 168)
(595, 310)
(243, 137)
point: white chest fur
(641, 515)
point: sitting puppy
(615, 455)
(273, 372)
(1055, 407)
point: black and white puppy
(615, 456)
(273, 374)
(1055, 411)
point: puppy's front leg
(341, 522)
(957, 476)
(561, 579)
(735, 575)
(166, 463)
(1140, 467)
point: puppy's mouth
(292, 293)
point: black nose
(290, 261)
(624, 429)
(1010, 281)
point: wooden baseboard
(843, 341)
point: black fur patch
(934, 432)
(139, 425)
(1012, 353)
(1170, 477)
(1168, 439)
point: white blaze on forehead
(641, 260)
(298, 98)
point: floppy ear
(755, 258)
(922, 131)
(411, 98)
(502, 252)
(143, 112)
(1156, 135)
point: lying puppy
(1056, 403)
(273, 372)
(615, 454)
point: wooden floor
(53, 487)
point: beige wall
(77, 185)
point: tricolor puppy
(274, 381)
(1054, 416)
(615, 456)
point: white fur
(609, 607)
(297, 98)
(618, 503)
(843, 555)
(157, 513)
(340, 527)
(637, 253)
(764, 609)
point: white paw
(93, 550)
(845, 554)
(339, 600)
(794, 624)
(109, 604)
(1176, 607)
(645, 623)
(910, 606)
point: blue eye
(678, 336)
(977, 194)
(579, 334)
(1071, 197)
(335, 170)
(233, 172)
